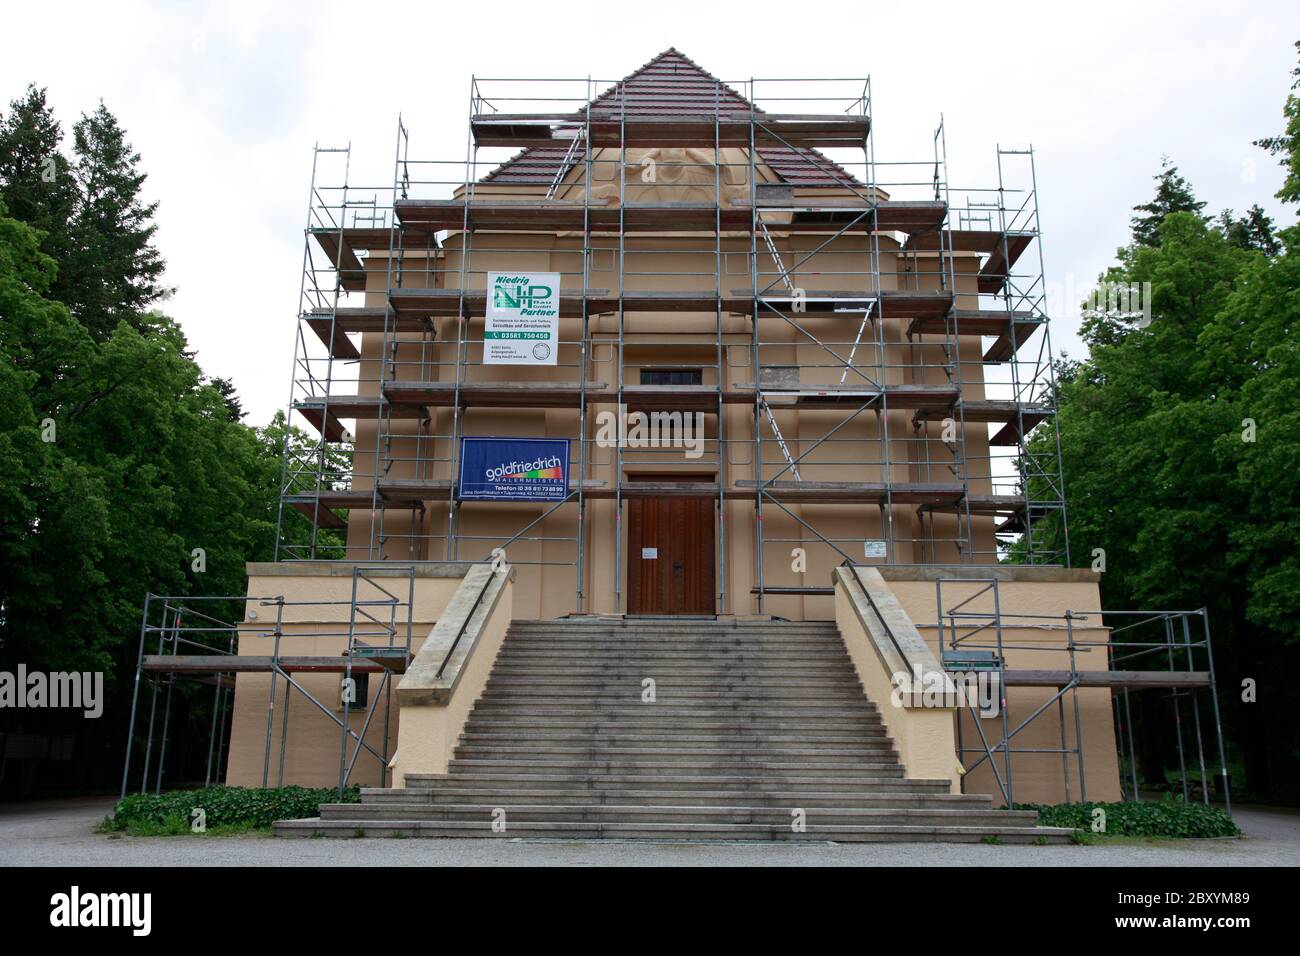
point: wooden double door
(670, 553)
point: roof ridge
(673, 51)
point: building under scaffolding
(869, 355)
(852, 356)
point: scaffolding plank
(661, 489)
(995, 504)
(983, 241)
(335, 338)
(542, 394)
(848, 492)
(395, 659)
(552, 215)
(934, 398)
(363, 320)
(816, 302)
(853, 214)
(244, 664)
(1000, 262)
(667, 398)
(1121, 680)
(315, 512)
(448, 302)
(340, 247)
(612, 128)
(976, 322)
(888, 303)
(990, 411)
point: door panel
(670, 556)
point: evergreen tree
(1287, 144)
(226, 388)
(1173, 194)
(36, 183)
(114, 269)
(1254, 231)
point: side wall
(312, 625)
(1030, 643)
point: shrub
(1158, 818)
(223, 806)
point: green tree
(1181, 447)
(114, 271)
(1173, 194)
(36, 182)
(1286, 144)
(117, 461)
(1253, 231)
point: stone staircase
(755, 729)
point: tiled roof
(674, 85)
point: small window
(672, 376)
(360, 691)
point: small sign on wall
(874, 548)
(523, 318)
(649, 554)
(513, 469)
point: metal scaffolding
(189, 641)
(1141, 651)
(841, 318)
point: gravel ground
(61, 833)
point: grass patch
(1170, 818)
(226, 810)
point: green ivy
(1159, 818)
(227, 806)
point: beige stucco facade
(608, 350)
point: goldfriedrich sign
(514, 469)
(523, 318)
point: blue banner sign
(514, 469)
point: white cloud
(225, 102)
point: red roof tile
(672, 84)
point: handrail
(465, 623)
(883, 623)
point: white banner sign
(523, 318)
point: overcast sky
(224, 102)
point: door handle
(677, 568)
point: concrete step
(830, 641)
(671, 705)
(670, 832)
(673, 692)
(829, 638)
(685, 657)
(449, 791)
(727, 815)
(742, 780)
(875, 737)
(724, 679)
(507, 721)
(669, 625)
(614, 670)
(544, 754)
(680, 767)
